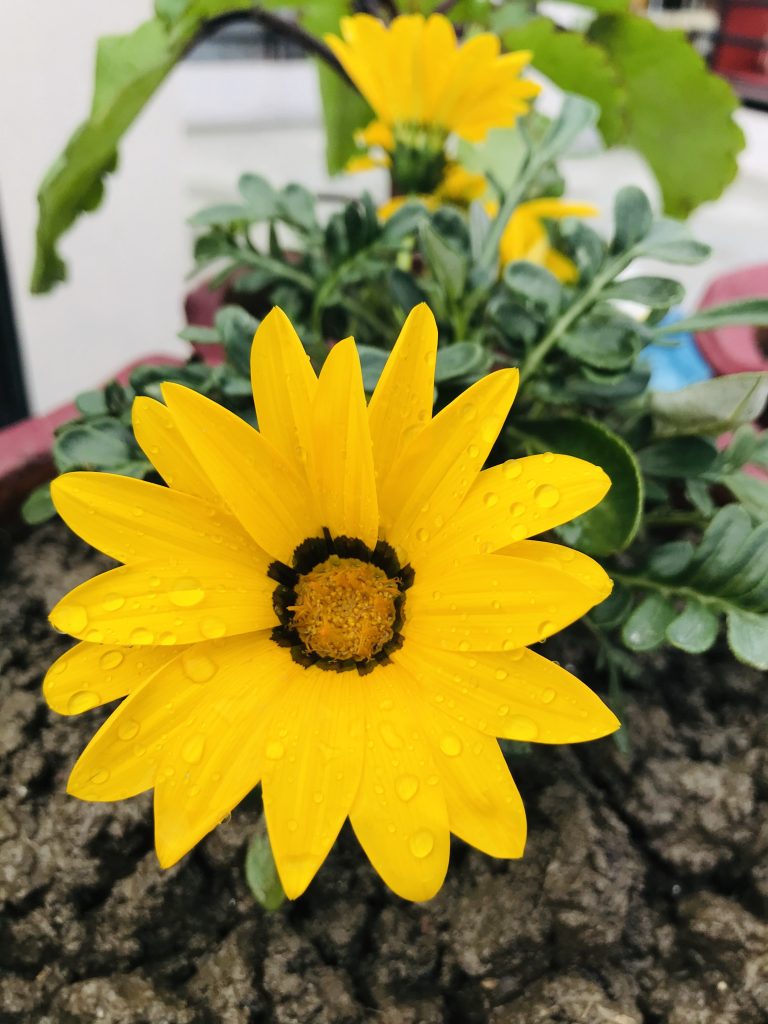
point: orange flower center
(345, 609)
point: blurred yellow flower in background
(525, 236)
(338, 605)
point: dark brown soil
(642, 897)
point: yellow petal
(517, 695)
(123, 757)
(401, 405)
(212, 759)
(556, 209)
(284, 387)
(167, 450)
(341, 462)
(583, 568)
(135, 521)
(262, 490)
(485, 808)
(516, 500)
(565, 270)
(399, 815)
(88, 675)
(168, 603)
(493, 603)
(311, 761)
(428, 483)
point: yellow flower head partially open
(423, 86)
(338, 605)
(526, 238)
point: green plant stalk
(670, 590)
(583, 302)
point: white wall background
(210, 122)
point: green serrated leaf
(751, 492)
(646, 627)
(694, 630)
(129, 69)
(576, 65)
(679, 114)
(710, 407)
(613, 524)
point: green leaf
(129, 69)
(646, 627)
(221, 215)
(463, 359)
(345, 111)
(753, 312)
(92, 403)
(96, 444)
(261, 871)
(534, 287)
(603, 341)
(751, 492)
(678, 457)
(679, 114)
(613, 524)
(259, 197)
(694, 630)
(576, 64)
(748, 638)
(710, 407)
(672, 242)
(296, 205)
(38, 507)
(656, 292)
(632, 218)
(200, 335)
(447, 264)
(236, 328)
(576, 115)
(372, 362)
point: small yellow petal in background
(399, 815)
(167, 450)
(123, 757)
(341, 458)
(484, 806)
(311, 760)
(516, 500)
(284, 387)
(135, 521)
(493, 603)
(260, 487)
(167, 603)
(88, 675)
(427, 484)
(401, 405)
(518, 695)
(583, 568)
(212, 759)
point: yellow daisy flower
(526, 238)
(423, 86)
(415, 72)
(337, 605)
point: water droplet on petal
(464, 645)
(186, 592)
(490, 499)
(473, 451)
(422, 843)
(386, 705)
(199, 668)
(422, 535)
(503, 710)
(212, 629)
(275, 750)
(522, 728)
(72, 618)
(100, 777)
(193, 748)
(546, 496)
(546, 629)
(94, 636)
(113, 602)
(501, 673)
(450, 745)
(128, 729)
(140, 635)
(468, 412)
(390, 736)
(406, 787)
(81, 701)
(547, 696)
(111, 659)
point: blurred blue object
(676, 365)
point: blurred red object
(741, 49)
(738, 348)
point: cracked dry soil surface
(642, 897)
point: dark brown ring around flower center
(314, 562)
